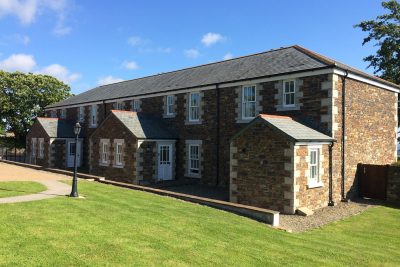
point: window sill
(104, 164)
(283, 108)
(92, 126)
(315, 185)
(244, 120)
(192, 175)
(118, 166)
(192, 122)
(169, 116)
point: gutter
(343, 154)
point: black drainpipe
(331, 202)
(344, 134)
(104, 109)
(218, 133)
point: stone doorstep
(263, 215)
(303, 211)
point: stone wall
(112, 129)
(259, 167)
(311, 197)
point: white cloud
(18, 38)
(108, 79)
(137, 41)
(60, 72)
(191, 53)
(212, 38)
(228, 56)
(130, 65)
(20, 62)
(27, 11)
(27, 63)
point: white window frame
(118, 154)
(289, 93)
(194, 109)
(246, 102)
(169, 105)
(63, 113)
(194, 158)
(120, 106)
(93, 116)
(34, 147)
(314, 167)
(41, 148)
(81, 114)
(104, 152)
(135, 105)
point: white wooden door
(71, 150)
(165, 162)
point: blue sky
(86, 43)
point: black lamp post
(74, 192)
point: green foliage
(385, 32)
(23, 98)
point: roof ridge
(202, 65)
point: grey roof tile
(294, 129)
(145, 126)
(58, 128)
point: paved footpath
(9, 172)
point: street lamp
(74, 192)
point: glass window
(93, 117)
(81, 116)
(118, 154)
(104, 153)
(288, 93)
(194, 106)
(314, 166)
(41, 148)
(63, 114)
(120, 105)
(136, 105)
(170, 105)
(248, 102)
(194, 159)
(33, 147)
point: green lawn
(115, 226)
(10, 189)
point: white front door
(165, 161)
(71, 149)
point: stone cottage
(203, 115)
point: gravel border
(297, 224)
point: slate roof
(144, 126)
(295, 130)
(59, 128)
(273, 62)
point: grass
(115, 226)
(10, 189)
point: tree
(385, 31)
(23, 98)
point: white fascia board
(312, 143)
(367, 80)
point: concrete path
(55, 188)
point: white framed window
(81, 114)
(41, 148)
(63, 113)
(118, 154)
(289, 93)
(170, 105)
(135, 105)
(314, 178)
(120, 105)
(104, 153)
(248, 102)
(194, 106)
(194, 159)
(93, 116)
(34, 148)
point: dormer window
(289, 93)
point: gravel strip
(296, 223)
